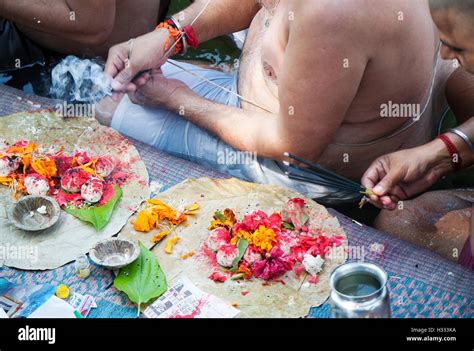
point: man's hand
(160, 91)
(147, 52)
(403, 174)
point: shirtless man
(441, 221)
(317, 74)
(80, 27)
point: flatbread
(70, 237)
(276, 300)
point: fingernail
(116, 85)
(378, 189)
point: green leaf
(143, 279)
(237, 276)
(98, 216)
(220, 216)
(287, 225)
(242, 245)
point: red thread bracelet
(453, 151)
(191, 38)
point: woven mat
(421, 283)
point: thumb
(122, 79)
(388, 183)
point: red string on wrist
(453, 151)
(190, 36)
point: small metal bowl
(29, 214)
(114, 253)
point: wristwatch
(464, 137)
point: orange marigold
(45, 167)
(145, 221)
(263, 238)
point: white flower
(312, 265)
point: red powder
(218, 277)
(298, 270)
(107, 194)
(313, 279)
(63, 198)
(194, 313)
(207, 255)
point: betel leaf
(143, 279)
(98, 216)
(242, 245)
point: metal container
(359, 290)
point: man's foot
(105, 109)
(438, 221)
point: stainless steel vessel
(359, 290)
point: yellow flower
(170, 243)
(241, 234)
(155, 211)
(157, 237)
(263, 238)
(145, 221)
(226, 219)
(45, 166)
(6, 181)
(187, 255)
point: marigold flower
(241, 234)
(145, 221)
(157, 237)
(227, 219)
(264, 238)
(45, 167)
(170, 243)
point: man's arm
(216, 18)
(315, 92)
(220, 17)
(460, 94)
(84, 21)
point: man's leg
(438, 221)
(171, 133)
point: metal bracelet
(183, 38)
(464, 137)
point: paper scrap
(54, 308)
(83, 303)
(3, 314)
(185, 300)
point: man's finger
(124, 77)
(391, 179)
(136, 97)
(388, 203)
(370, 177)
(115, 63)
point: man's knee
(438, 221)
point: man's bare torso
(404, 44)
(132, 18)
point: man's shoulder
(374, 16)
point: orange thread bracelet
(173, 34)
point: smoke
(79, 81)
